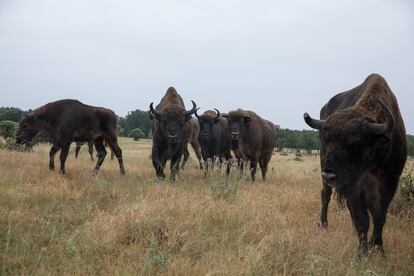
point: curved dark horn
(313, 123)
(155, 112)
(386, 127)
(218, 113)
(189, 112)
(195, 113)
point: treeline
(297, 139)
(137, 124)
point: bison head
(238, 122)
(31, 130)
(352, 143)
(172, 121)
(206, 122)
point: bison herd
(362, 137)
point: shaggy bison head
(239, 121)
(206, 122)
(172, 121)
(352, 143)
(31, 130)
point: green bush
(8, 129)
(10, 144)
(136, 134)
(403, 203)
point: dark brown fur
(172, 131)
(365, 167)
(215, 139)
(255, 138)
(64, 121)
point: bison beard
(64, 121)
(363, 153)
(172, 128)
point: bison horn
(195, 113)
(155, 112)
(218, 113)
(193, 110)
(386, 127)
(313, 123)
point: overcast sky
(278, 58)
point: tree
(10, 114)
(8, 129)
(136, 134)
(136, 119)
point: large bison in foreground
(254, 137)
(65, 121)
(173, 128)
(214, 138)
(363, 153)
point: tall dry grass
(136, 224)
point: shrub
(137, 134)
(403, 204)
(8, 129)
(10, 144)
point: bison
(173, 128)
(253, 139)
(64, 121)
(214, 137)
(363, 153)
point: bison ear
(247, 119)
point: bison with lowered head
(214, 137)
(255, 139)
(173, 128)
(363, 153)
(64, 121)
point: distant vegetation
(136, 124)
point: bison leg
(253, 168)
(227, 156)
(100, 148)
(90, 149)
(197, 149)
(325, 199)
(77, 149)
(379, 215)
(115, 149)
(186, 156)
(63, 155)
(360, 218)
(264, 162)
(175, 166)
(52, 154)
(158, 162)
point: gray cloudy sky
(279, 58)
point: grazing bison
(64, 121)
(79, 145)
(253, 139)
(363, 153)
(214, 137)
(173, 128)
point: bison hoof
(322, 225)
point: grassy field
(137, 225)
